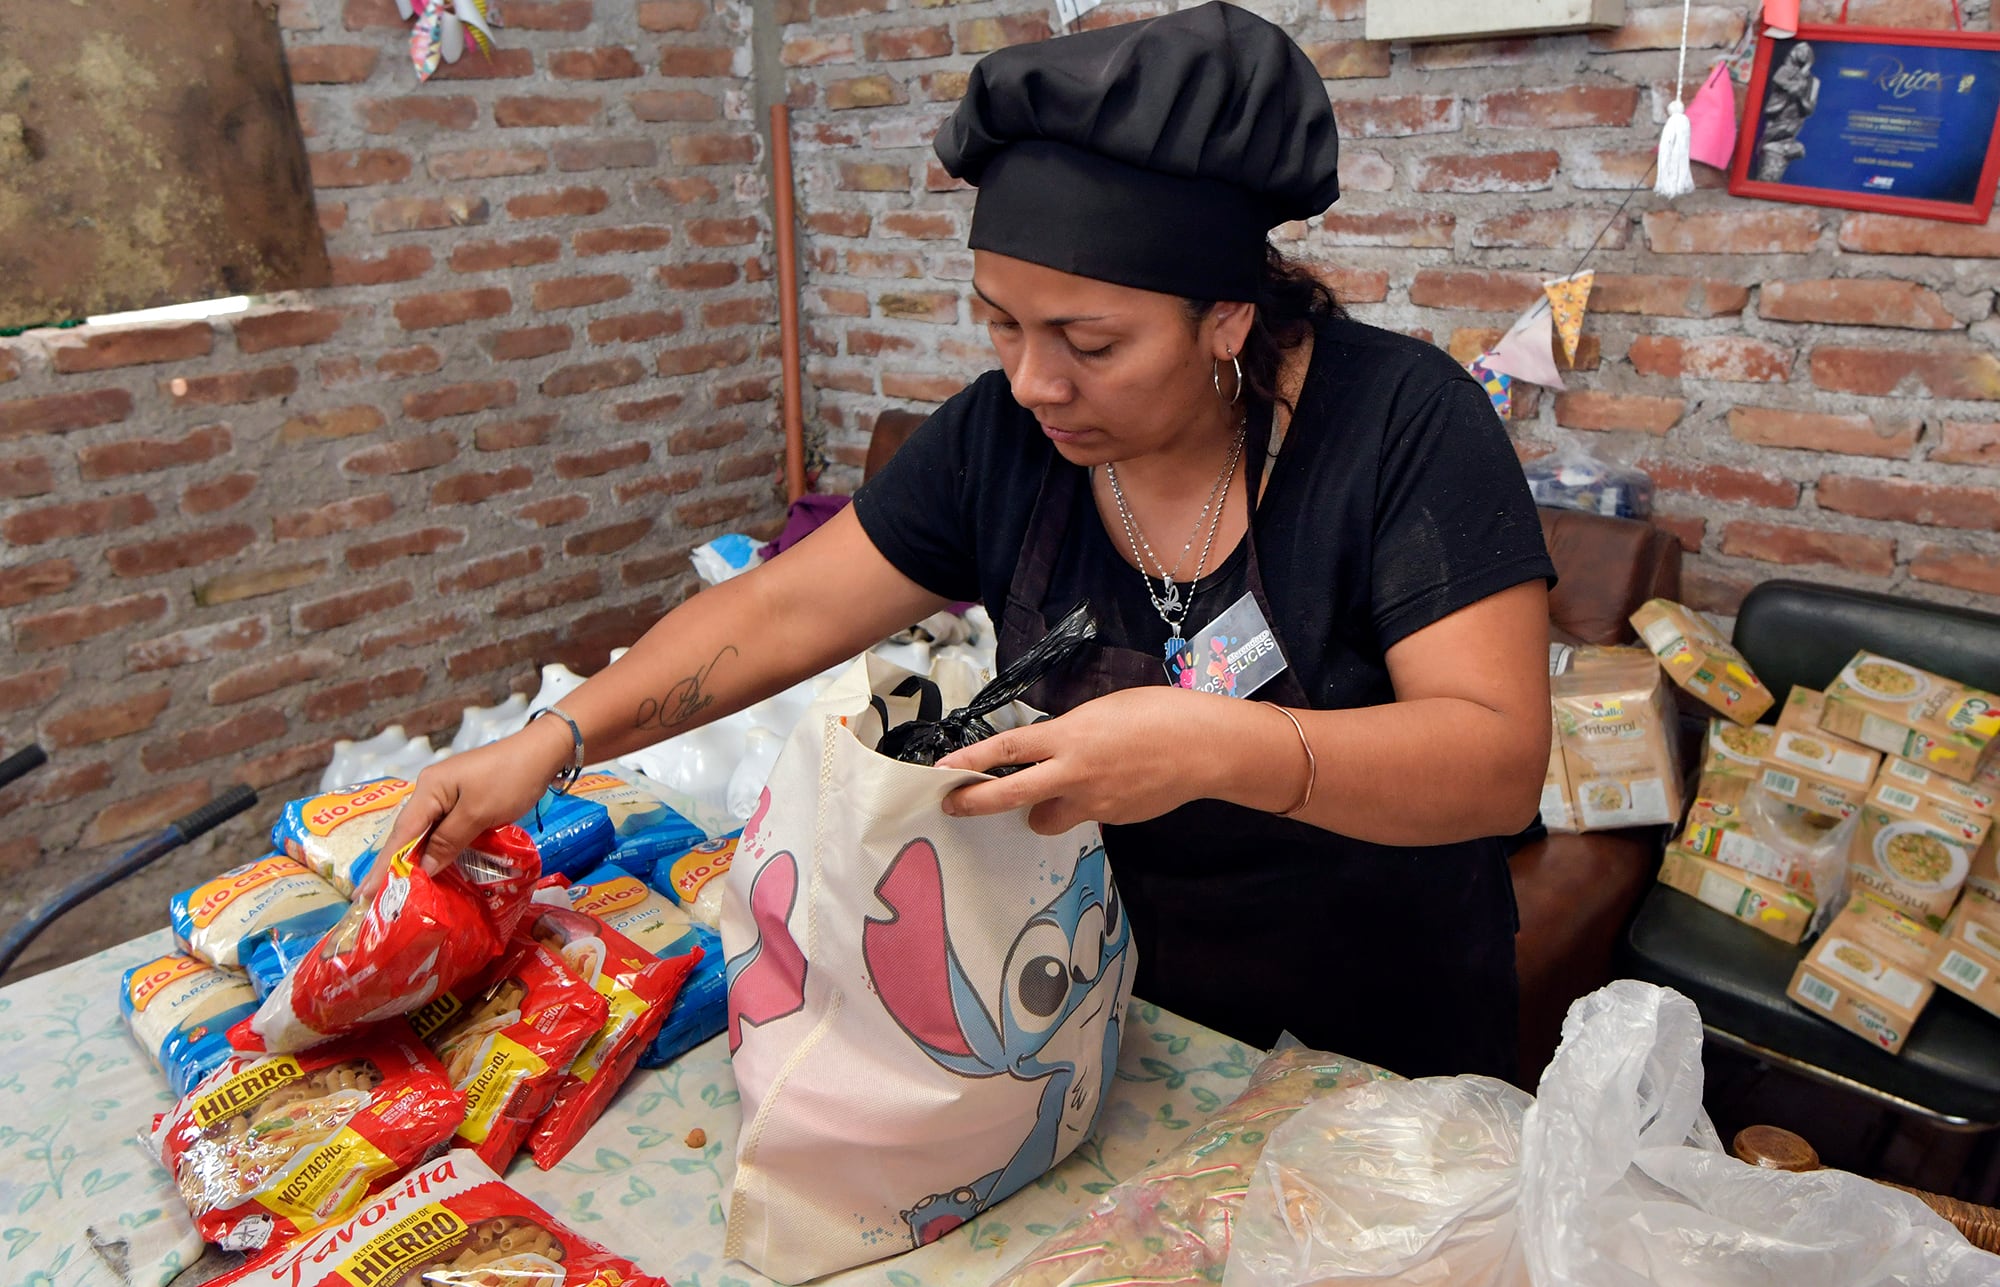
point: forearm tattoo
(685, 700)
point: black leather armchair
(1949, 1071)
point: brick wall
(546, 370)
(1817, 393)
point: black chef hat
(1155, 154)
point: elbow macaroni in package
(640, 989)
(507, 1044)
(449, 1223)
(338, 833)
(419, 936)
(179, 1010)
(270, 1146)
(648, 828)
(212, 919)
(664, 929)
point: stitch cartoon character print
(1068, 972)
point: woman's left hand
(1124, 757)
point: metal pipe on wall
(788, 301)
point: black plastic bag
(926, 741)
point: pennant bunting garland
(440, 26)
(1527, 351)
(1781, 18)
(1567, 297)
(1498, 387)
(1712, 117)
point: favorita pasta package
(212, 919)
(419, 936)
(508, 1042)
(665, 929)
(179, 1010)
(337, 833)
(270, 1146)
(449, 1223)
(640, 990)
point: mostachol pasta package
(656, 923)
(508, 1040)
(640, 989)
(270, 1146)
(212, 919)
(448, 1223)
(1914, 715)
(1914, 852)
(1867, 972)
(1700, 660)
(337, 833)
(418, 936)
(180, 1009)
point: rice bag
(271, 1146)
(212, 919)
(570, 832)
(275, 951)
(337, 834)
(648, 828)
(508, 1041)
(179, 1009)
(640, 990)
(694, 879)
(419, 936)
(656, 924)
(449, 1223)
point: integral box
(1981, 797)
(1914, 715)
(1867, 972)
(1812, 768)
(1967, 957)
(1558, 800)
(1700, 660)
(1914, 852)
(1763, 904)
(1733, 750)
(1616, 721)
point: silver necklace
(1167, 601)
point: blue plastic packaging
(213, 920)
(571, 832)
(649, 829)
(180, 1010)
(270, 954)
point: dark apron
(1253, 924)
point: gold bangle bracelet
(1312, 765)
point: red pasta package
(449, 1223)
(640, 988)
(508, 1040)
(270, 1146)
(419, 936)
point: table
(83, 1205)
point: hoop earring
(1215, 378)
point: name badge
(1234, 655)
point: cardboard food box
(1967, 957)
(1913, 851)
(1558, 800)
(1700, 660)
(1914, 715)
(1734, 750)
(1869, 972)
(1719, 829)
(1980, 797)
(1764, 904)
(1812, 768)
(1616, 721)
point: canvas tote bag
(924, 1011)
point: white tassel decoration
(1672, 176)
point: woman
(1320, 858)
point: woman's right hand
(457, 798)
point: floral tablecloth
(81, 1204)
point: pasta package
(1868, 972)
(270, 1146)
(648, 828)
(665, 929)
(570, 832)
(639, 989)
(1914, 852)
(420, 935)
(508, 1043)
(1700, 660)
(1617, 725)
(448, 1223)
(1914, 715)
(179, 1009)
(212, 919)
(336, 834)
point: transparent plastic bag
(1574, 476)
(1811, 847)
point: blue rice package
(336, 834)
(654, 922)
(272, 953)
(572, 833)
(694, 879)
(212, 920)
(180, 1009)
(649, 829)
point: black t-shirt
(1395, 501)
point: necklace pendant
(1177, 658)
(1171, 601)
